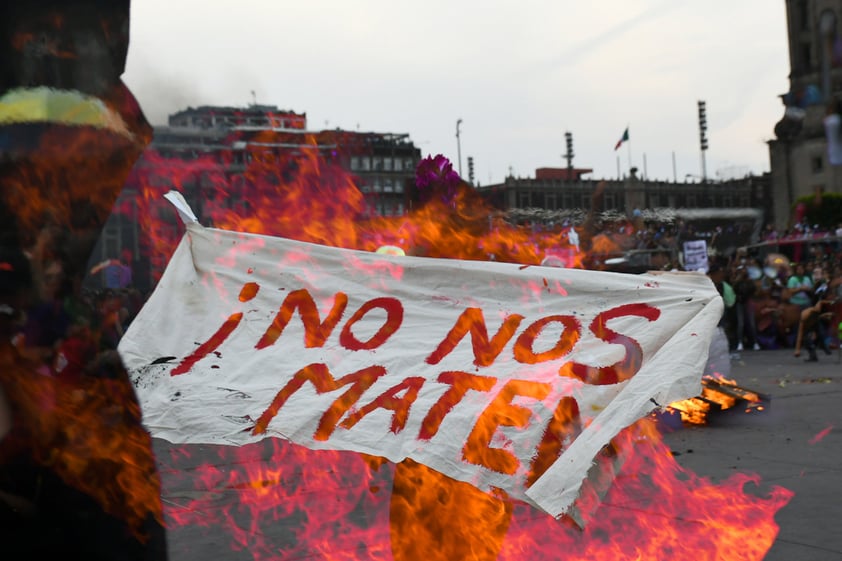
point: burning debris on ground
(718, 395)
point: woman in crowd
(800, 285)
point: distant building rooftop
(226, 117)
(564, 174)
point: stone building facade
(226, 139)
(799, 152)
(557, 199)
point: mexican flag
(623, 138)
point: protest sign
(696, 256)
(504, 376)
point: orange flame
(77, 423)
(307, 198)
(720, 394)
(88, 432)
(347, 506)
(657, 510)
(279, 500)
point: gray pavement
(781, 445)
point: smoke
(164, 91)
(161, 93)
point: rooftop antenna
(459, 146)
(253, 98)
(703, 138)
(568, 139)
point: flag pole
(628, 146)
(624, 138)
(674, 171)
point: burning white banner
(500, 375)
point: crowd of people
(772, 300)
(773, 303)
(65, 333)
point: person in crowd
(812, 328)
(835, 294)
(799, 286)
(78, 477)
(769, 309)
(769, 232)
(716, 273)
(744, 289)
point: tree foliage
(825, 211)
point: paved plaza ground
(795, 443)
(784, 445)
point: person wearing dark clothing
(813, 328)
(78, 478)
(744, 288)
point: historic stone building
(799, 153)
(625, 196)
(225, 140)
(551, 198)
(383, 164)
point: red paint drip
(249, 291)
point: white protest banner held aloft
(470, 368)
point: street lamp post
(459, 147)
(703, 139)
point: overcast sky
(518, 73)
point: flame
(76, 422)
(311, 495)
(718, 394)
(279, 500)
(305, 197)
(88, 432)
(693, 411)
(71, 181)
(657, 510)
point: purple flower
(435, 177)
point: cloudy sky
(518, 74)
